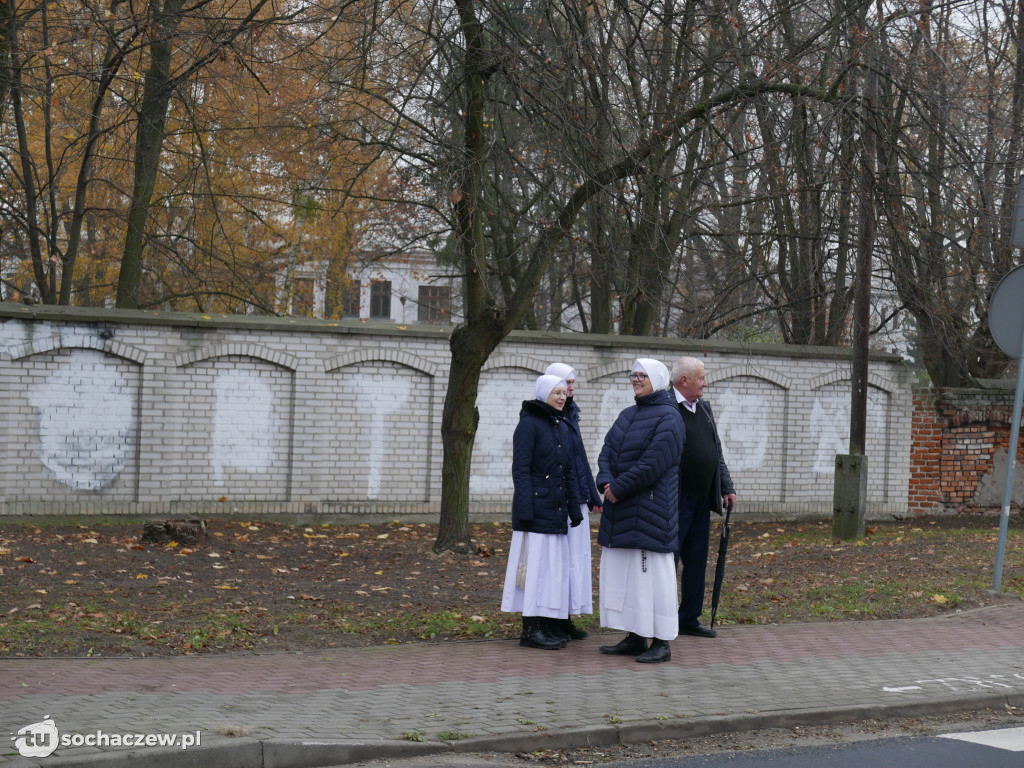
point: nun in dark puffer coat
(638, 473)
(545, 502)
(581, 571)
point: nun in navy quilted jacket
(638, 473)
(581, 569)
(545, 502)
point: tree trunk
(471, 345)
(474, 341)
(865, 246)
(42, 271)
(111, 63)
(600, 224)
(149, 141)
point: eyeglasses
(638, 377)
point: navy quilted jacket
(584, 477)
(640, 460)
(544, 495)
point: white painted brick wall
(135, 413)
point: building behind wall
(402, 289)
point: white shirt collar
(691, 407)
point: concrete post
(849, 497)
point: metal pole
(1011, 460)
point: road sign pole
(1006, 322)
(1011, 461)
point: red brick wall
(955, 433)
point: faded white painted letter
(86, 423)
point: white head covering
(542, 389)
(655, 370)
(562, 370)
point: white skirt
(546, 592)
(638, 592)
(581, 584)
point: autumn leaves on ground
(90, 589)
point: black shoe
(574, 632)
(698, 631)
(534, 637)
(550, 628)
(631, 645)
(657, 653)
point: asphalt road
(993, 741)
(989, 749)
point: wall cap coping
(643, 346)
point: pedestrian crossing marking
(1010, 739)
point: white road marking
(903, 688)
(1010, 739)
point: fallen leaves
(314, 586)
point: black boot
(657, 653)
(570, 629)
(631, 645)
(533, 637)
(550, 627)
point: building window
(303, 298)
(380, 299)
(434, 303)
(350, 300)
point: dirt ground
(90, 589)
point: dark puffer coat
(640, 461)
(544, 494)
(584, 477)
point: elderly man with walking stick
(704, 484)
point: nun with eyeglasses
(545, 504)
(638, 473)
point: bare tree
(205, 29)
(518, 119)
(45, 46)
(951, 144)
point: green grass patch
(428, 625)
(453, 735)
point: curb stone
(243, 753)
(322, 753)
(569, 738)
(316, 753)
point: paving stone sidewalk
(340, 706)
